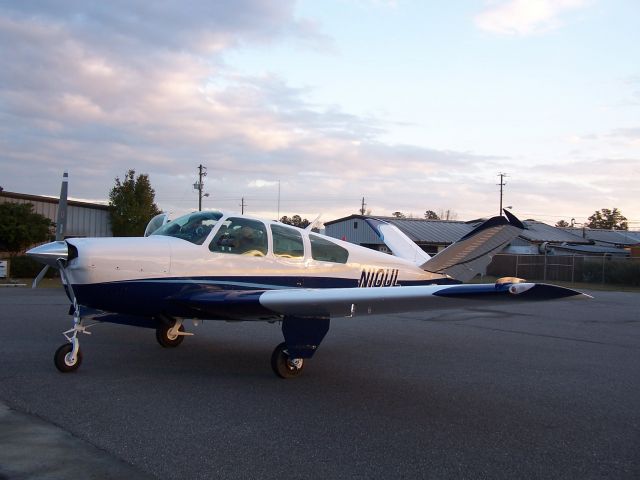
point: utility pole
(502, 184)
(242, 205)
(202, 172)
(362, 209)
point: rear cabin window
(327, 251)
(287, 242)
(241, 236)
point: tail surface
(461, 260)
(469, 256)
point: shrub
(26, 267)
(626, 272)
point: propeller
(61, 223)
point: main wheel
(167, 339)
(284, 366)
(63, 361)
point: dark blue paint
(303, 335)
(199, 297)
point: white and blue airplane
(212, 265)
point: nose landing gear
(68, 356)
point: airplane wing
(336, 302)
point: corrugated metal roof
(445, 232)
(52, 200)
(609, 237)
(592, 250)
(541, 232)
(436, 232)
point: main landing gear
(171, 333)
(284, 365)
(302, 337)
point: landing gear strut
(68, 356)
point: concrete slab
(33, 449)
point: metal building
(431, 235)
(537, 238)
(616, 238)
(84, 219)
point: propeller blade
(40, 276)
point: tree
(131, 205)
(21, 227)
(431, 215)
(447, 214)
(295, 221)
(562, 224)
(399, 215)
(608, 219)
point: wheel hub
(295, 363)
(69, 359)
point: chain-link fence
(603, 269)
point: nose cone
(49, 253)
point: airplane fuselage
(152, 275)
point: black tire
(62, 361)
(281, 364)
(162, 335)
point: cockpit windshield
(194, 227)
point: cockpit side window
(287, 242)
(241, 236)
(194, 227)
(327, 251)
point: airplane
(214, 265)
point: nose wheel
(66, 360)
(283, 365)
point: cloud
(98, 90)
(525, 17)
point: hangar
(432, 236)
(84, 219)
(538, 237)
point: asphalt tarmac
(545, 390)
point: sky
(306, 107)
